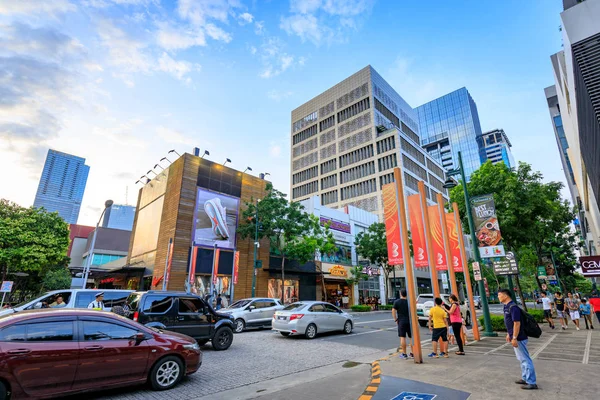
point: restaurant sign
(336, 225)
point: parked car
(309, 318)
(184, 313)
(425, 303)
(73, 298)
(255, 312)
(476, 300)
(50, 353)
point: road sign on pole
(476, 271)
(6, 286)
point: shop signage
(107, 280)
(453, 242)
(340, 237)
(487, 229)
(336, 225)
(444, 280)
(476, 271)
(541, 272)
(417, 230)
(216, 265)
(371, 271)
(236, 266)
(392, 224)
(437, 241)
(338, 270)
(505, 267)
(590, 265)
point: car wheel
(222, 339)
(166, 373)
(348, 327)
(423, 323)
(311, 331)
(286, 334)
(240, 325)
(4, 392)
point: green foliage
(497, 323)
(387, 307)
(538, 315)
(578, 281)
(31, 240)
(356, 275)
(372, 245)
(57, 279)
(360, 308)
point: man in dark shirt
(513, 317)
(402, 318)
(559, 303)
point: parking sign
(6, 286)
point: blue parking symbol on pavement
(414, 396)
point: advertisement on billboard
(417, 230)
(437, 241)
(590, 266)
(392, 224)
(335, 225)
(453, 242)
(487, 229)
(216, 219)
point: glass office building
(62, 185)
(119, 216)
(450, 124)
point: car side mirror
(38, 305)
(139, 337)
(251, 308)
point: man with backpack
(515, 320)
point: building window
(353, 110)
(412, 150)
(306, 121)
(356, 140)
(306, 189)
(305, 147)
(414, 168)
(411, 182)
(387, 144)
(411, 134)
(326, 124)
(328, 151)
(357, 172)
(327, 137)
(305, 134)
(436, 183)
(354, 125)
(387, 113)
(385, 179)
(305, 161)
(326, 110)
(352, 96)
(305, 175)
(328, 182)
(387, 162)
(356, 156)
(359, 189)
(329, 197)
(328, 166)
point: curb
(373, 385)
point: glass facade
(100, 259)
(564, 145)
(119, 216)
(451, 124)
(62, 185)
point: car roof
(168, 293)
(257, 298)
(50, 312)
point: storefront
(291, 290)
(337, 289)
(370, 287)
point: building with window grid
(497, 148)
(450, 124)
(62, 185)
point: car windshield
(133, 301)
(240, 304)
(422, 299)
(294, 307)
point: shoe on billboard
(218, 217)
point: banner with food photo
(487, 228)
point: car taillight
(135, 316)
(296, 316)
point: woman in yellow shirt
(439, 330)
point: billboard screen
(215, 221)
(487, 229)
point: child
(463, 330)
(586, 313)
(451, 339)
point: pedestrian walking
(97, 304)
(401, 315)
(595, 304)
(559, 304)
(219, 301)
(224, 302)
(345, 301)
(456, 323)
(586, 313)
(572, 304)
(547, 306)
(438, 325)
(513, 318)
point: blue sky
(121, 82)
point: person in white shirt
(547, 306)
(98, 304)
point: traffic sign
(414, 396)
(476, 271)
(6, 286)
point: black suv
(184, 313)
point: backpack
(530, 327)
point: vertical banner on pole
(417, 230)
(216, 266)
(453, 241)
(236, 266)
(437, 239)
(392, 224)
(167, 274)
(193, 265)
(435, 285)
(446, 241)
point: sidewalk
(566, 363)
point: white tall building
(345, 143)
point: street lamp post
(88, 261)
(450, 184)
(255, 250)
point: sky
(123, 82)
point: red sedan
(48, 353)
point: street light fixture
(173, 151)
(158, 165)
(227, 160)
(248, 169)
(449, 184)
(165, 158)
(88, 261)
(152, 172)
(206, 153)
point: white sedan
(309, 318)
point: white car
(309, 318)
(255, 312)
(425, 303)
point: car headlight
(192, 346)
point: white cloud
(274, 58)
(253, 50)
(199, 12)
(278, 95)
(30, 7)
(217, 33)
(245, 18)
(275, 150)
(123, 51)
(179, 69)
(259, 28)
(129, 133)
(305, 26)
(174, 136)
(170, 38)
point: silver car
(255, 312)
(311, 317)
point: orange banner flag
(454, 245)
(392, 224)
(435, 225)
(417, 231)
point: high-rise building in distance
(62, 185)
(450, 124)
(497, 147)
(119, 216)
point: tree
(57, 279)
(284, 223)
(372, 245)
(31, 240)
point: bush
(497, 323)
(538, 315)
(386, 307)
(361, 308)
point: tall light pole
(448, 185)
(88, 261)
(255, 249)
